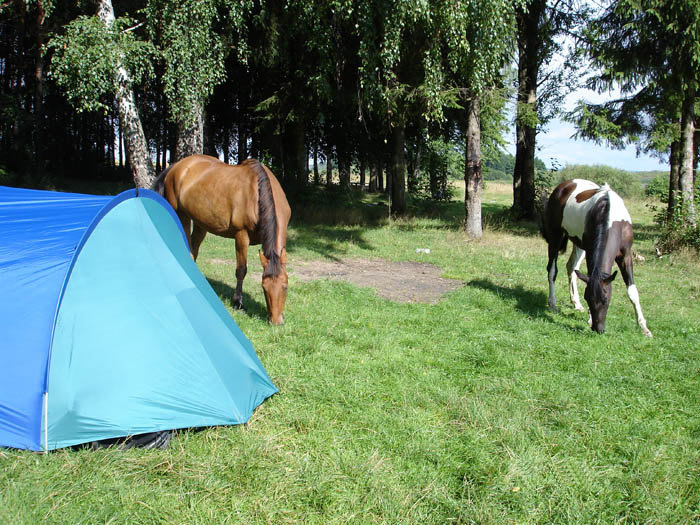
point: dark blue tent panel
(109, 329)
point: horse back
(218, 197)
(554, 212)
(579, 202)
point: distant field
(483, 408)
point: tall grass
(484, 408)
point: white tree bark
(142, 169)
(686, 185)
(472, 175)
(190, 136)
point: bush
(658, 188)
(440, 163)
(625, 183)
(678, 231)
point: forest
(389, 96)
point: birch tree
(98, 56)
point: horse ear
(263, 260)
(610, 278)
(581, 276)
(283, 256)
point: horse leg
(198, 234)
(553, 250)
(572, 265)
(242, 243)
(186, 226)
(624, 262)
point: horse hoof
(648, 334)
(579, 308)
(238, 306)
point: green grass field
(484, 408)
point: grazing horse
(600, 227)
(243, 202)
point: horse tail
(541, 205)
(541, 212)
(159, 184)
(267, 218)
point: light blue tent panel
(139, 342)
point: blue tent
(108, 328)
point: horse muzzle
(278, 323)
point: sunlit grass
(484, 408)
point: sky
(555, 143)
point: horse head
(597, 295)
(275, 283)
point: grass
(484, 408)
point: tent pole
(46, 423)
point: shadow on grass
(527, 301)
(330, 241)
(251, 307)
(532, 304)
(646, 232)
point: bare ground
(406, 282)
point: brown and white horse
(243, 202)
(597, 222)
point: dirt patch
(405, 282)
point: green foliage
(678, 230)
(657, 188)
(192, 52)
(501, 165)
(622, 43)
(441, 162)
(625, 183)
(85, 57)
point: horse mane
(267, 218)
(598, 227)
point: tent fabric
(108, 327)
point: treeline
(380, 86)
(406, 94)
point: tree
(193, 57)
(97, 56)
(541, 24)
(650, 51)
(478, 39)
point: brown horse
(243, 202)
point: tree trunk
(38, 114)
(190, 135)
(674, 178)
(687, 155)
(226, 146)
(472, 175)
(139, 159)
(208, 136)
(242, 153)
(374, 171)
(344, 170)
(329, 166)
(414, 169)
(122, 155)
(363, 169)
(398, 168)
(298, 156)
(388, 179)
(528, 21)
(317, 176)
